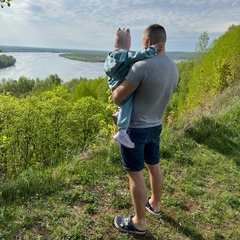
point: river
(41, 64)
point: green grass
(79, 199)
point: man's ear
(149, 42)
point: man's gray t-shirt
(155, 79)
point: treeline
(6, 61)
(86, 57)
(74, 54)
(43, 123)
(101, 56)
(78, 88)
(215, 68)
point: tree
(83, 90)
(5, 3)
(202, 46)
(6, 61)
(48, 84)
(87, 118)
(217, 69)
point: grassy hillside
(79, 199)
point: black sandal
(125, 225)
(150, 209)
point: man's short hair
(156, 33)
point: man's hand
(122, 92)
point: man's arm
(122, 92)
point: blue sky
(91, 24)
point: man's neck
(161, 52)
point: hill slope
(79, 199)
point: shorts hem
(133, 170)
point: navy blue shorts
(147, 145)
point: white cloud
(91, 24)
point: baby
(116, 66)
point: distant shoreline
(40, 65)
(41, 49)
(87, 55)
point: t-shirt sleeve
(136, 74)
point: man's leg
(138, 192)
(156, 182)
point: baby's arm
(140, 55)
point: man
(117, 66)
(153, 82)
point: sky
(91, 24)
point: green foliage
(202, 45)
(215, 69)
(5, 2)
(219, 69)
(79, 88)
(6, 61)
(83, 90)
(179, 99)
(71, 85)
(25, 86)
(89, 116)
(89, 56)
(43, 131)
(91, 88)
(46, 85)
(21, 88)
(43, 122)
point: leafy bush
(43, 131)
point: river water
(41, 64)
